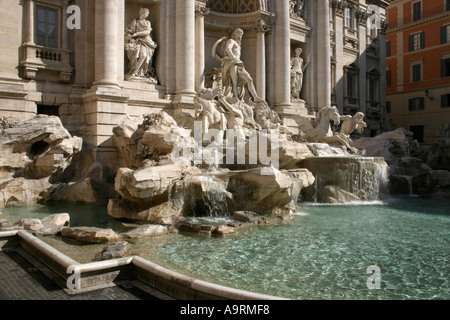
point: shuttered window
(416, 104)
(445, 68)
(417, 11)
(445, 100)
(416, 72)
(445, 34)
(416, 41)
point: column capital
(201, 10)
(262, 26)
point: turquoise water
(324, 253)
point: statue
(140, 47)
(350, 124)
(234, 74)
(297, 70)
(240, 114)
(267, 118)
(207, 108)
(320, 128)
(296, 8)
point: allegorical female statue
(140, 46)
(298, 67)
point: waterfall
(209, 197)
(345, 179)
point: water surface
(323, 253)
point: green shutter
(443, 34)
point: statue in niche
(298, 67)
(140, 47)
(234, 74)
(350, 124)
(296, 8)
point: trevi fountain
(231, 195)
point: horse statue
(320, 130)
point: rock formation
(412, 169)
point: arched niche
(226, 15)
(132, 8)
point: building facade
(418, 66)
(72, 58)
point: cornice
(418, 23)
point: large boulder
(267, 190)
(438, 157)
(89, 234)
(397, 147)
(149, 140)
(33, 154)
(22, 192)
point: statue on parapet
(234, 75)
(140, 46)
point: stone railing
(95, 275)
(53, 59)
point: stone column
(200, 13)
(29, 21)
(185, 51)
(323, 54)
(282, 54)
(170, 41)
(261, 29)
(105, 104)
(106, 41)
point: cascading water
(346, 179)
(209, 197)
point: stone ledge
(97, 274)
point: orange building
(418, 66)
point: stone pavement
(26, 279)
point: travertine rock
(113, 251)
(144, 231)
(90, 234)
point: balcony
(37, 58)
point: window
(416, 104)
(416, 72)
(416, 41)
(352, 85)
(373, 89)
(417, 11)
(388, 48)
(388, 78)
(388, 106)
(447, 5)
(46, 27)
(445, 34)
(349, 18)
(445, 68)
(445, 100)
(417, 132)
